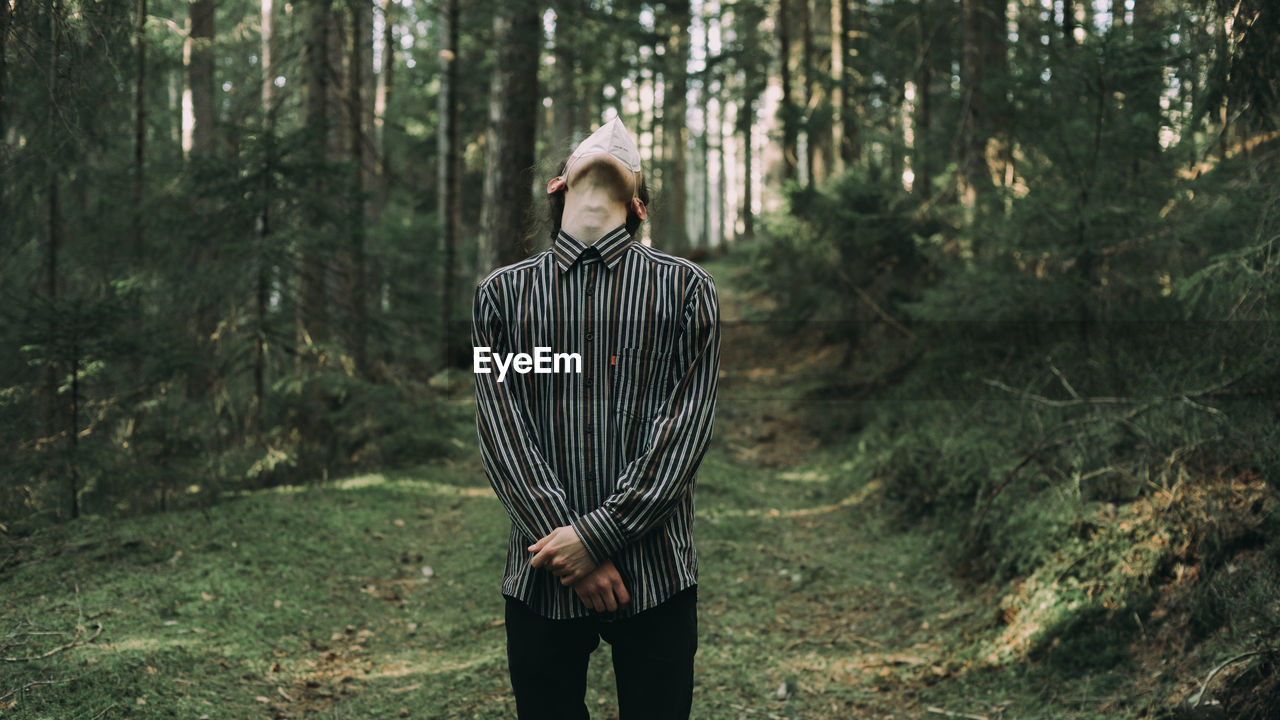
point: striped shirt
(612, 450)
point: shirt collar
(612, 246)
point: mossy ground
(377, 597)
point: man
(597, 468)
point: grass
(313, 602)
(378, 597)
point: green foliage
(1091, 359)
(840, 256)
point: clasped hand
(599, 586)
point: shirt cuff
(600, 534)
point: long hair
(555, 206)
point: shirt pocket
(639, 383)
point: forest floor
(377, 596)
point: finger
(541, 558)
(624, 598)
(610, 604)
(540, 544)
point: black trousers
(652, 659)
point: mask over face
(612, 139)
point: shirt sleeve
(652, 484)
(521, 478)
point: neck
(592, 210)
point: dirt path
(813, 608)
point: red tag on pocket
(613, 359)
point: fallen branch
(830, 642)
(33, 683)
(1050, 402)
(949, 713)
(862, 294)
(753, 711)
(103, 712)
(58, 649)
(1205, 686)
(1044, 443)
(1063, 379)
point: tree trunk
(139, 119)
(267, 45)
(52, 232)
(822, 134)
(921, 161)
(897, 148)
(262, 289)
(704, 98)
(658, 171)
(564, 101)
(1148, 81)
(448, 194)
(176, 116)
(382, 102)
(839, 9)
(1068, 23)
(852, 26)
(368, 99)
(995, 69)
(790, 131)
(982, 55)
(310, 315)
(358, 59)
(675, 133)
(73, 477)
(725, 217)
(198, 52)
(746, 125)
(5, 21)
(806, 67)
(513, 110)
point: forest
(996, 434)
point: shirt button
(588, 337)
(588, 429)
